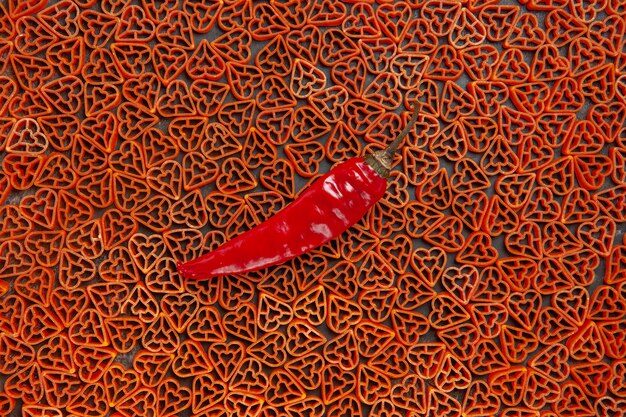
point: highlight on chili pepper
(326, 209)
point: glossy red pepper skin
(328, 207)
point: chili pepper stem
(381, 160)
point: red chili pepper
(326, 209)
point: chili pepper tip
(182, 270)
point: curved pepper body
(322, 212)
